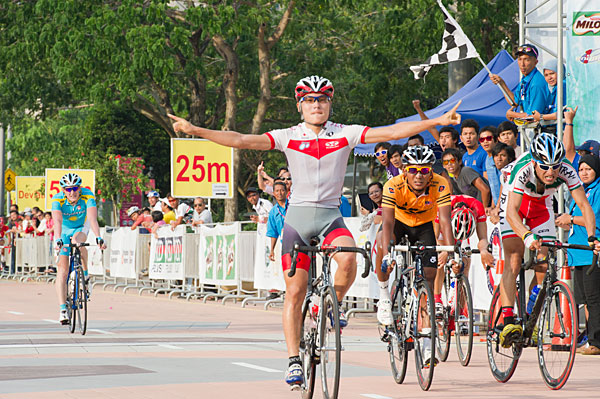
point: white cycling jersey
(317, 163)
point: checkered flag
(455, 46)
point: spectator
(158, 220)
(14, 222)
(586, 288)
(201, 215)
(475, 156)
(46, 225)
(465, 180)
(395, 156)
(140, 217)
(507, 134)
(4, 237)
(167, 210)
(14, 207)
(381, 153)
(154, 201)
(261, 206)
(265, 182)
(573, 153)
(503, 155)
(375, 191)
(417, 139)
(532, 92)
(488, 139)
(181, 209)
(277, 215)
(27, 227)
(550, 75)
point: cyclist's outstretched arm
(406, 129)
(226, 138)
(57, 218)
(432, 130)
(586, 210)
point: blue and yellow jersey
(74, 215)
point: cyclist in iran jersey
(317, 152)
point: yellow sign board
(201, 168)
(88, 176)
(29, 192)
(9, 179)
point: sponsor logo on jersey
(329, 134)
(433, 259)
(590, 56)
(391, 190)
(332, 144)
(441, 188)
(586, 23)
(303, 146)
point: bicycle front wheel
(424, 332)
(307, 350)
(397, 345)
(557, 336)
(71, 305)
(81, 302)
(443, 324)
(502, 361)
(463, 316)
(330, 347)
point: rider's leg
(78, 238)
(346, 267)
(513, 253)
(62, 270)
(295, 292)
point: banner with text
(122, 253)
(52, 186)
(201, 168)
(218, 255)
(166, 254)
(29, 192)
(268, 275)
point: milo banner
(122, 253)
(166, 254)
(268, 275)
(95, 265)
(583, 66)
(218, 255)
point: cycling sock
(63, 306)
(85, 273)
(437, 298)
(384, 293)
(508, 315)
(295, 360)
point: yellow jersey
(410, 209)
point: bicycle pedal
(295, 387)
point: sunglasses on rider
(484, 139)
(547, 167)
(71, 189)
(312, 100)
(382, 152)
(413, 170)
(448, 161)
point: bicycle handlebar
(77, 245)
(329, 249)
(561, 245)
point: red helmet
(314, 84)
(463, 223)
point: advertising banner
(583, 66)
(201, 168)
(52, 187)
(29, 192)
(122, 253)
(166, 254)
(218, 255)
(268, 275)
(95, 264)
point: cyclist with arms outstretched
(317, 152)
(74, 212)
(535, 178)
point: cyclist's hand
(180, 124)
(387, 264)
(455, 266)
(532, 241)
(100, 243)
(487, 259)
(58, 243)
(451, 117)
(442, 258)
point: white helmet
(463, 223)
(314, 84)
(547, 149)
(70, 180)
(418, 155)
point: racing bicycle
(77, 291)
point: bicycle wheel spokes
(307, 351)
(443, 326)
(463, 317)
(81, 302)
(397, 345)
(502, 361)
(330, 348)
(424, 330)
(71, 287)
(557, 336)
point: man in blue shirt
(277, 215)
(475, 156)
(532, 92)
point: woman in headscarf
(587, 288)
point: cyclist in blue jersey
(74, 212)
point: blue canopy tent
(481, 100)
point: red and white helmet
(314, 84)
(463, 223)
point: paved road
(146, 347)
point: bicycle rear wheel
(443, 324)
(330, 347)
(307, 350)
(81, 308)
(424, 333)
(502, 361)
(463, 320)
(397, 345)
(71, 287)
(557, 336)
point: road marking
(374, 396)
(170, 346)
(101, 331)
(51, 321)
(13, 312)
(252, 366)
(108, 343)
